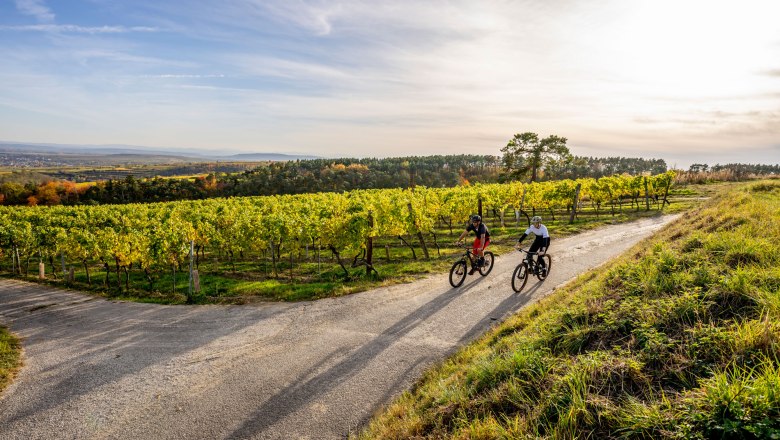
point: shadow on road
(114, 340)
(298, 395)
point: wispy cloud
(184, 76)
(313, 17)
(71, 28)
(35, 8)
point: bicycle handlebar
(531, 253)
(464, 246)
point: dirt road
(314, 370)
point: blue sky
(682, 80)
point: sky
(687, 81)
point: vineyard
(297, 238)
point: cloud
(71, 28)
(35, 8)
(315, 18)
(185, 76)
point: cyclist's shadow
(530, 289)
(468, 285)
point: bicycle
(523, 271)
(458, 271)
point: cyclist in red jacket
(481, 241)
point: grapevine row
(155, 237)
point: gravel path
(314, 370)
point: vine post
(370, 244)
(666, 193)
(419, 233)
(190, 285)
(574, 203)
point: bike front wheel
(458, 273)
(547, 266)
(488, 265)
(520, 277)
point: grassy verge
(10, 357)
(681, 339)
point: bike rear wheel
(547, 266)
(520, 277)
(458, 273)
(488, 266)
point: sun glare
(695, 48)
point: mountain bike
(523, 271)
(469, 259)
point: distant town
(35, 160)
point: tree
(525, 155)
(698, 168)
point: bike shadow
(468, 285)
(506, 308)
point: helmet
(476, 218)
(536, 219)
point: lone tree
(525, 155)
(698, 168)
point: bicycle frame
(469, 255)
(533, 261)
(459, 269)
(528, 267)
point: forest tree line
(337, 175)
(308, 176)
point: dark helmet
(476, 218)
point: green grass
(10, 357)
(679, 339)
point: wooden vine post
(574, 203)
(419, 233)
(191, 281)
(647, 195)
(666, 193)
(370, 244)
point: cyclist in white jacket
(541, 242)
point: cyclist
(541, 242)
(480, 242)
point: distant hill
(41, 155)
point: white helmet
(536, 219)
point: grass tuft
(10, 357)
